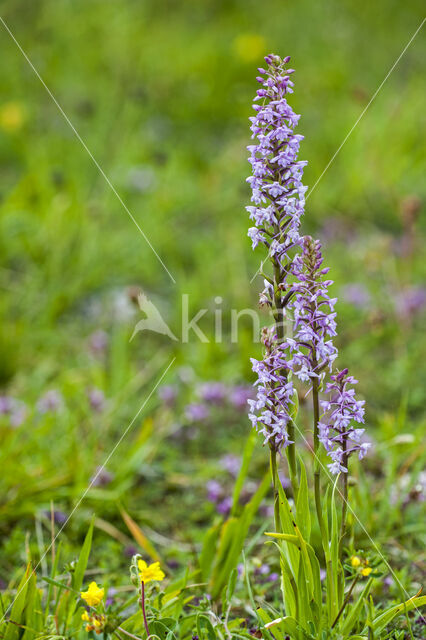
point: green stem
(279, 320)
(345, 498)
(317, 467)
(291, 459)
(275, 480)
(345, 602)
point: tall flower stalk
(278, 198)
(296, 291)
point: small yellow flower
(93, 595)
(355, 561)
(249, 46)
(366, 571)
(151, 572)
(12, 116)
(85, 616)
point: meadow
(135, 181)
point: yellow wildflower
(93, 595)
(95, 623)
(249, 46)
(12, 116)
(151, 572)
(355, 561)
(366, 571)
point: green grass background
(160, 92)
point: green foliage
(161, 96)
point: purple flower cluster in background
(196, 412)
(336, 432)
(208, 396)
(97, 399)
(50, 402)
(213, 392)
(15, 410)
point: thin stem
(344, 496)
(142, 603)
(291, 458)
(317, 466)
(279, 320)
(345, 602)
(275, 480)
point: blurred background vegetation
(160, 92)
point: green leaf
(78, 575)
(386, 617)
(288, 526)
(158, 628)
(17, 611)
(290, 591)
(208, 550)
(52, 576)
(334, 556)
(288, 625)
(233, 535)
(352, 616)
(256, 610)
(34, 619)
(242, 475)
(303, 516)
(303, 598)
(231, 585)
(204, 623)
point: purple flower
(278, 198)
(214, 490)
(50, 402)
(410, 301)
(224, 507)
(101, 478)
(14, 409)
(314, 317)
(59, 517)
(98, 342)
(96, 399)
(168, 395)
(273, 577)
(263, 570)
(6, 405)
(285, 482)
(278, 195)
(230, 463)
(267, 510)
(336, 431)
(357, 295)
(213, 392)
(270, 411)
(196, 412)
(240, 395)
